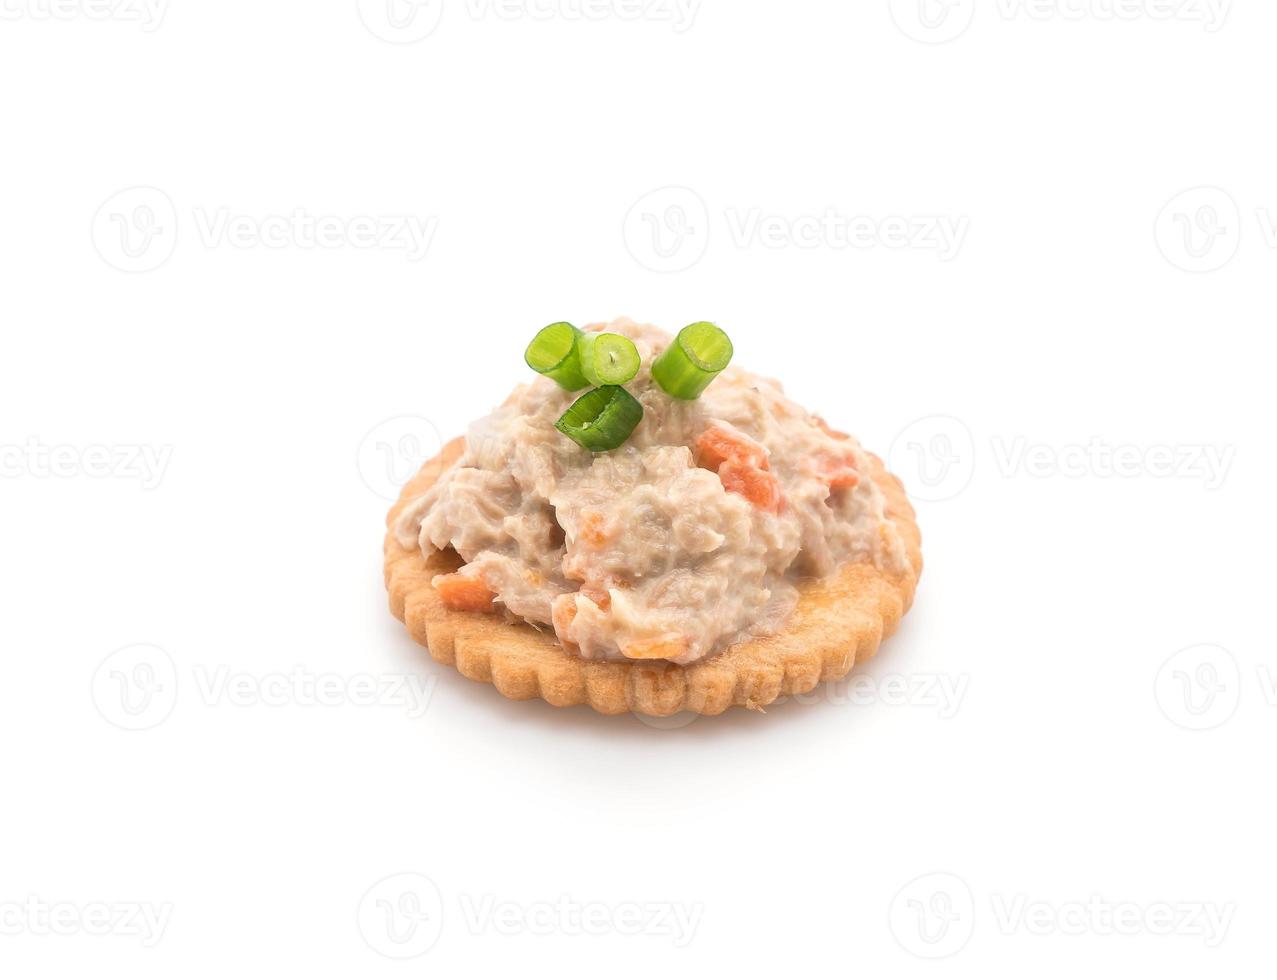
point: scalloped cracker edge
(838, 622)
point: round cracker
(838, 621)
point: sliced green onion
(553, 352)
(602, 419)
(607, 358)
(687, 366)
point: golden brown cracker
(838, 621)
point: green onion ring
(607, 358)
(687, 366)
(601, 419)
(554, 353)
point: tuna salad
(690, 535)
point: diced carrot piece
(562, 615)
(665, 648)
(592, 531)
(464, 593)
(717, 445)
(759, 487)
(840, 474)
(600, 597)
(564, 611)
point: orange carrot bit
(824, 427)
(840, 474)
(664, 648)
(562, 613)
(592, 529)
(717, 445)
(600, 597)
(759, 487)
(464, 593)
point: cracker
(838, 622)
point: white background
(1092, 309)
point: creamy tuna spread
(690, 537)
